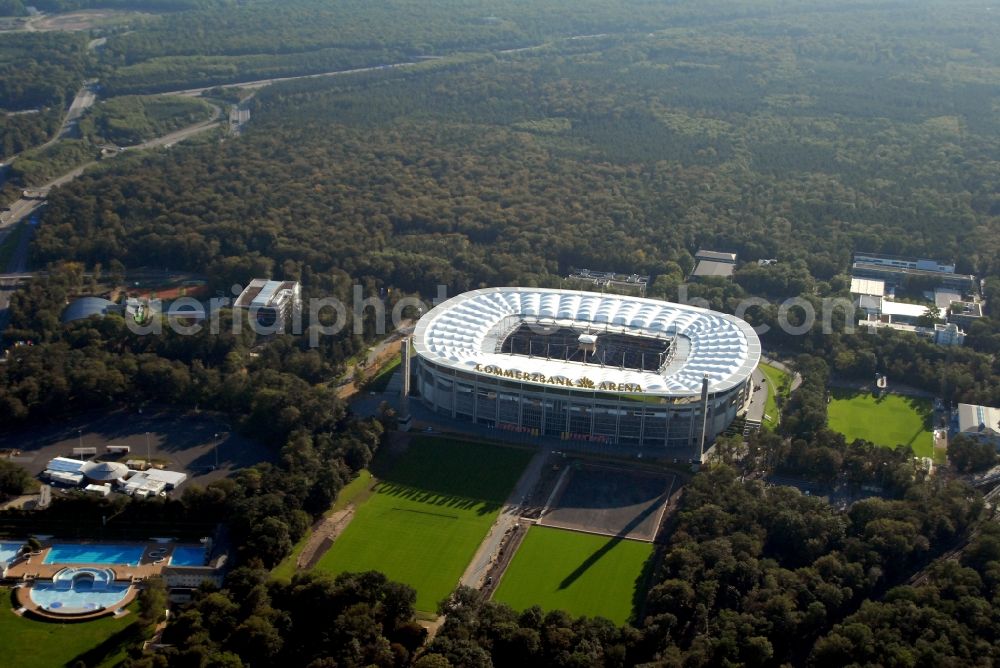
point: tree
(152, 601)
(14, 479)
(969, 455)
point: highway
(16, 272)
(261, 83)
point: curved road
(25, 207)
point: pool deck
(150, 564)
(32, 609)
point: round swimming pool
(74, 591)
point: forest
(129, 119)
(801, 132)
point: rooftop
(978, 419)
(708, 268)
(903, 309)
(867, 286)
(262, 292)
(463, 333)
(715, 255)
(85, 307)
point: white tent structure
(102, 472)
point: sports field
(888, 421)
(428, 515)
(581, 573)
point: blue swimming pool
(188, 556)
(79, 590)
(8, 551)
(68, 553)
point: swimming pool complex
(8, 551)
(188, 556)
(79, 590)
(68, 553)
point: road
(24, 208)
(388, 347)
(180, 135)
(511, 513)
(85, 98)
(261, 83)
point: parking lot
(201, 445)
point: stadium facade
(629, 372)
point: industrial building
(633, 374)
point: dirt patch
(174, 292)
(505, 554)
(323, 536)
(85, 19)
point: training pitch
(428, 515)
(609, 500)
(889, 421)
(583, 574)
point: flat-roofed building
(896, 270)
(271, 303)
(713, 264)
(867, 286)
(904, 262)
(965, 313)
(903, 312)
(979, 422)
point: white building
(271, 303)
(901, 316)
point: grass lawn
(29, 644)
(778, 383)
(351, 491)
(428, 515)
(889, 421)
(581, 573)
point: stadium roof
(465, 332)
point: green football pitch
(428, 515)
(583, 574)
(889, 421)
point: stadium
(632, 373)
